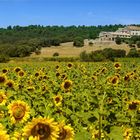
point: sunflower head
(134, 105)
(5, 70)
(19, 111)
(3, 98)
(69, 65)
(42, 128)
(95, 134)
(3, 79)
(31, 88)
(57, 67)
(57, 100)
(117, 65)
(10, 84)
(37, 74)
(103, 70)
(21, 73)
(94, 78)
(127, 133)
(3, 133)
(17, 69)
(66, 85)
(113, 80)
(66, 132)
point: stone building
(126, 32)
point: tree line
(18, 41)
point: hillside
(67, 49)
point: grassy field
(67, 49)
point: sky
(69, 12)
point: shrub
(118, 40)
(56, 54)
(133, 53)
(138, 44)
(78, 42)
(37, 52)
(4, 58)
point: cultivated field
(70, 101)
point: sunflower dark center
(18, 112)
(114, 80)
(117, 65)
(2, 79)
(41, 130)
(1, 98)
(62, 134)
(4, 70)
(67, 85)
(21, 73)
(133, 106)
(57, 99)
(9, 84)
(17, 69)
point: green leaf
(83, 135)
(116, 133)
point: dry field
(67, 49)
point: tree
(133, 53)
(118, 40)
(78, 42)
(138, 44)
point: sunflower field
(70, 101)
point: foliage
(102, 55)
(78, 42)
(56, 54)
(36, 36)
(4, 58)
(133, 53)
(118, 40)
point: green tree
(118, 40)
(78, 42)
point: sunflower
(113, 80)
(96, 135)
(17, 69)
(117, 65)
(10, 84)
(3, 98)
(37, 74)
(57, 100)
(94, 78)
(57, 74)
(57, 67)
(3, 79)
(21, 73)
(19, 111)
(69, 65)
(66, 85)
(127, 78)
(127, 133)
(3, 133)
(42, 128)
(64, 76)
(1, 114)
(134, 105)
(66, 132)
(17, 136)
(30, 88)
(103, 70)
(5, 70)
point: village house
(126, 32)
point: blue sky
(69, 12)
